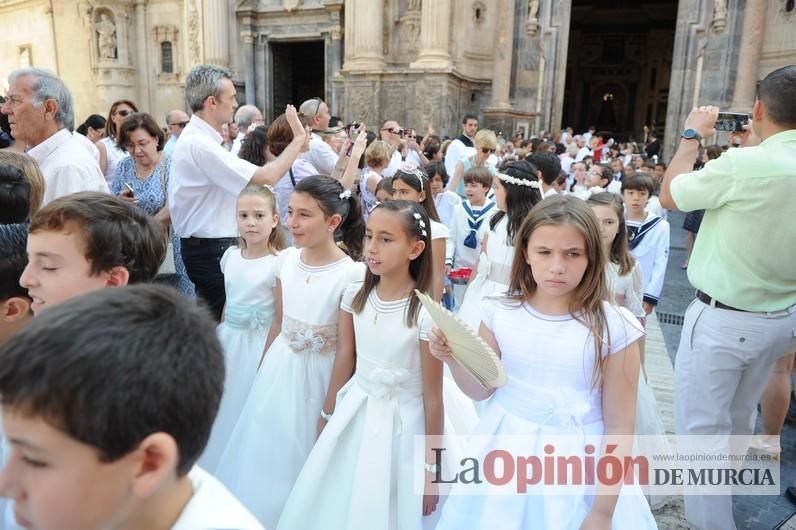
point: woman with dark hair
(110, 152)
(142, 178)
(93, 128)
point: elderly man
(176, 120)
(391, 133)
(462, 146)
(206, 179)
(742, 265)
(320, 154)
(246, 116)
(41, 116)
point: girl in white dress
(249, 283)
(277, 427)
(360, 473)
(411, 184)
(516, 192)
(626, 288)
(572, 363)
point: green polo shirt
(745, 254)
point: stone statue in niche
(719, 15)
(533, 17)
(106, 41)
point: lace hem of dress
(309, 339)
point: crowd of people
(278, 371)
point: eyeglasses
(181, 124)
(123, 113)
(143, 144)
(487, 150)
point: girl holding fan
(249, 311)
(578, 377)
(360, 472)
(277, 427)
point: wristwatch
(690, 134)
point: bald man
(245, 117)
(176, 120)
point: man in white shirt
(391, 132)
(176, 120)
(40, 112)
(246, 116)
(583, 148)
(462, 146)
(320, 154)
(206, 179)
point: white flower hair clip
(518, 182)
(345, 194)
(421, 223)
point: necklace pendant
(307, 279)
(375, 317)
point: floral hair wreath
(411, 169)
(518, 182)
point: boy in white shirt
(108, 400)
(648, 235)
(468, 225)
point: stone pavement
(663, 336)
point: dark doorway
(619, 66)
(298, 73)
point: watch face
(689, 134)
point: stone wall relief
(719, 22)
(533, 18)
(104, 24)
(409, 31)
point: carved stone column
(501, 66)
(142, 55)
(434, 35)
(215, 32)
(248, 65)
(366, 32)
(262, 68)
(754, 24)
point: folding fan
(469, 350)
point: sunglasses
(487, 150)
(181, 124)
(123, 113)
(399, 132)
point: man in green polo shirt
(744, 269)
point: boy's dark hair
(14, 195)
(115, 233)
(479, 175)
(546, 162)
(777, 91)
(468, 117)
(661, 164)
(114, 366)
(638, 181)
(13, 259)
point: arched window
(166, 58)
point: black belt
(206, 241)
(702, 297)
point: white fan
(469, 350)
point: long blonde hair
(586, 305)
(277, 240)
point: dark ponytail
(331, 197)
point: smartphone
(731, 121)
(130, 189)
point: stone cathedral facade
(520, 65)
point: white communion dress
(248, 313)
(549, 392)
(277, 427)
(360, 473)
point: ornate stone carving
(533, 21)
(194, 49)
(479, 12)
(106, 35)
(719, 15)
(165, 33)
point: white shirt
(455, 249)
(114, 156)
(90, 147)
(413, 158)
(456, 151)
(395, 163)
(236, 143)
(213, 506)
(170, 143)
(205, 182)
(67, 166)
(284, 188)
(320, 155)
(582, 153)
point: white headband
(518, 182)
